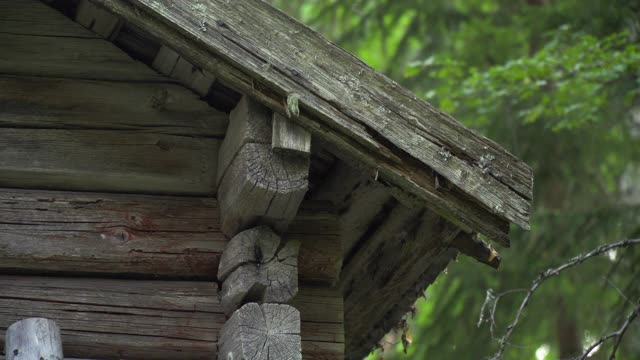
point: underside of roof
(407, 143)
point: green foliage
(566, 83)
(555, 82)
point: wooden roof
(403, 140)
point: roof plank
(272, 57)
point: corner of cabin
(158, 161)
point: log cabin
(213, 179)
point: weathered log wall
(79, 114)
(141, 235)
(113, 319)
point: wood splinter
(258, 266)
(261, 332)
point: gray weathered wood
(258, 266)
(170, 63)
(98, 19)
(33, 338)
(249, 122)
(48, 232)
(362, 201)
(257, 184)
(322, 315)
(420, 244)
(343, 101)
(262, 332)
(289, 136)
(49, 44)
(261, 186)
(114, 319)
(133, 319)
(38, 102)
(30, 17)
(165, 61)
(101, 160)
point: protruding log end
(258, 266)
(33, 338)
(471, 246)
(257, 184)
(262, 332)
(262, 186)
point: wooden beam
(470, 245)
(112, 161)
(98, 20)
(343, 101)
(48, 232)
(31, 17)
(46, 103)
(288, 136)
(419, 242)
(45, 43)
(257, 185)
(171, 64)
(258, 266)
(262, 332)
(156, 320)
(33, 338)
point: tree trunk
(568, 334)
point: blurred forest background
(557, 83)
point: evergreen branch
(552, 272)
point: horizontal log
(31, 17)
(107, 160)
(46, 103)
(360, 112)
(39, 41)
(141, 235)
(113, 319)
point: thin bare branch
(618, 335)
(552, 272)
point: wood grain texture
(120, 319)
(348, 104)
(47, 232)
(114, 319)
(34, 338)
(419, 242)
(98, 19)
(262, 332)
(31, 17)
(258, 266)
(322, 315)
(257, 184)
(361, 201)
(289, 136)
(170, 63)
(112, 161)
(35, 102)
(39, 41)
